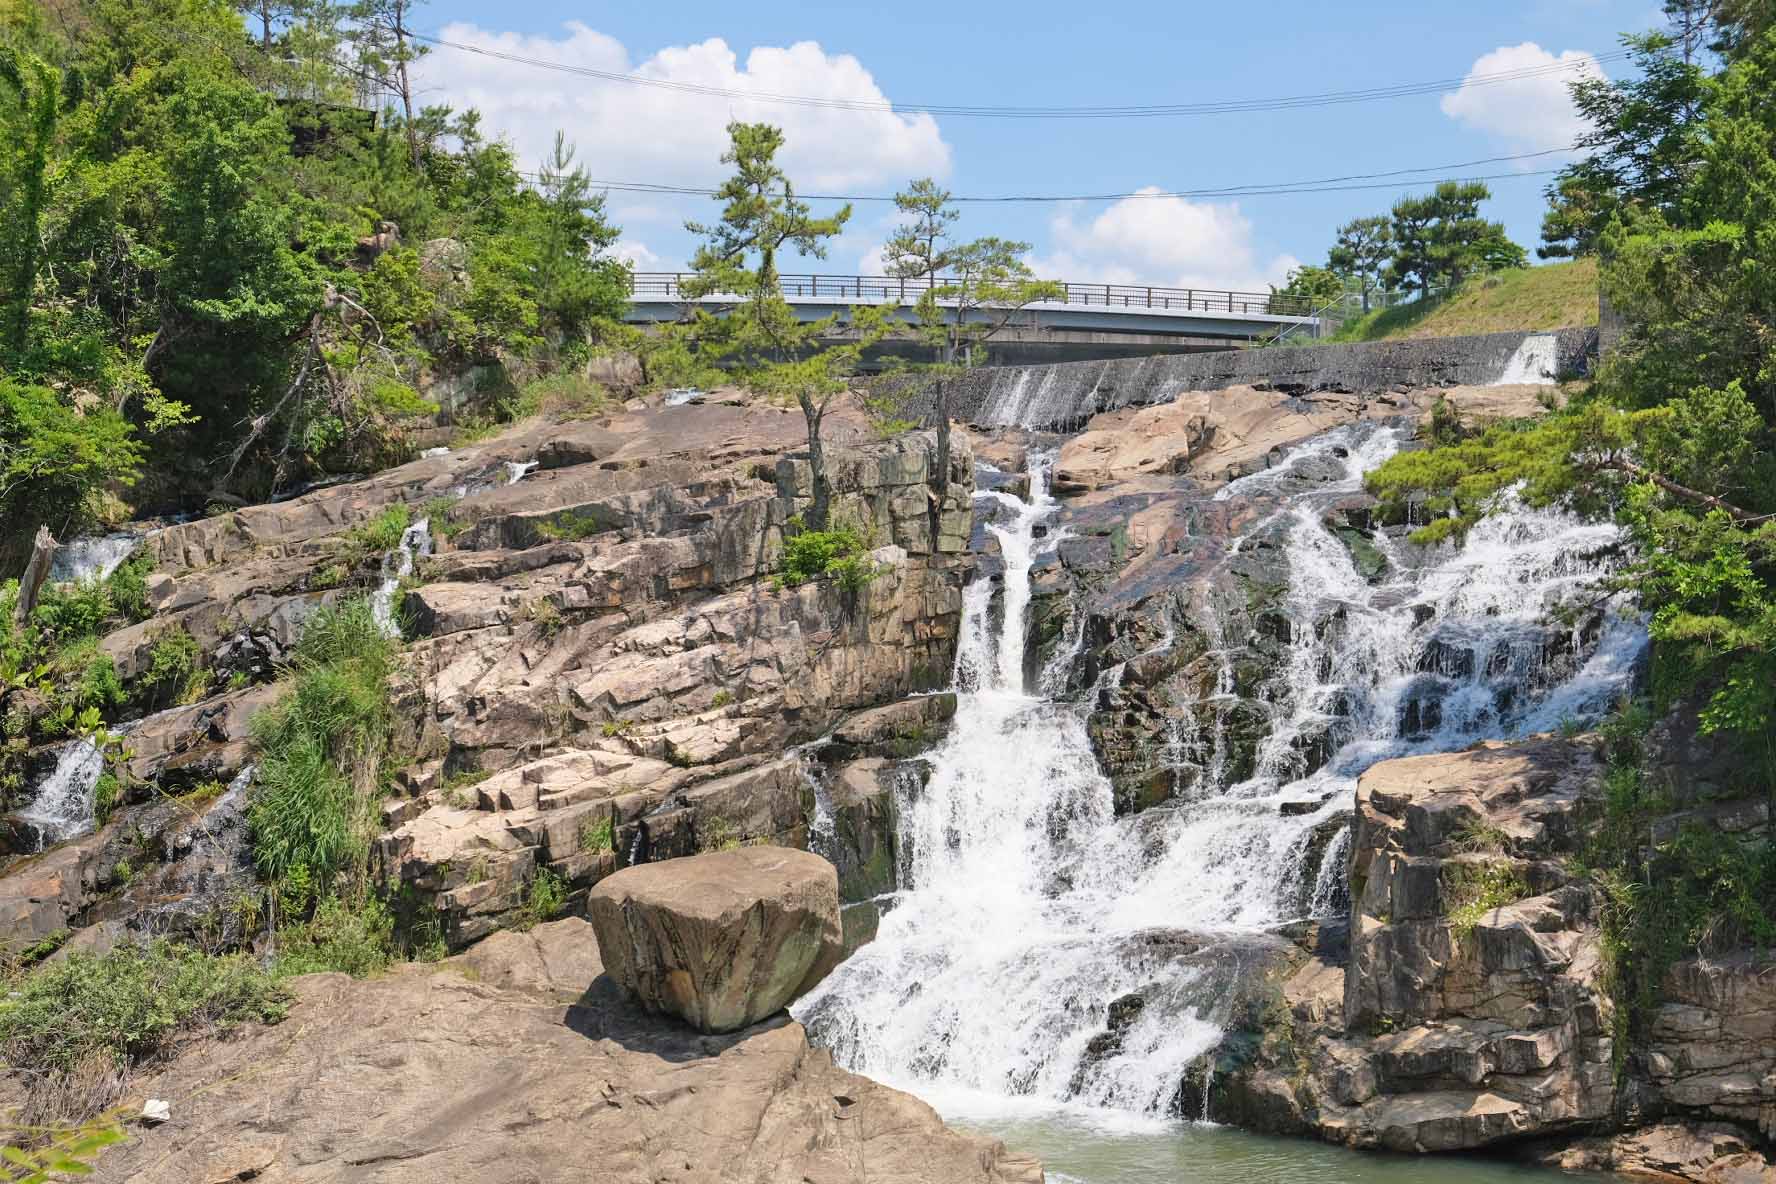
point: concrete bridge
(1088, 322)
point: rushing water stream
(1027, 906)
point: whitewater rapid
(1026, 906)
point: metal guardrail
(872, 289)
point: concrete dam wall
(1063, 396)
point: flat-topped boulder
(724, 939)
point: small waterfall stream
(1535, 362)
(1027, 906)
(397, 565)
(63, 805)
(92, 557)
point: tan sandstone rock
(724, 939)
(501, 1067)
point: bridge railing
(876, 289)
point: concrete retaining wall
(1062, 397)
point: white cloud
(627, 132)
(637, 255)
(1160, 240)
(1529, 114)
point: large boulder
(723, 939)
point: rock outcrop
(518, 1063)
(1469, 1007)
(720, 940)
(601, 669)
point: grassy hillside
(1551, 297)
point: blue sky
(1043, 52)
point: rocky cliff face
(1466, 1002)
(601, 669)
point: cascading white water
(1027, 906)
(397, 565)
(516, 469)
(63, 806)
(91, 558)
(1535, 362)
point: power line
(1352, 181)
(1138, 111)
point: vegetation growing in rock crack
(323, 756)
(840, 554)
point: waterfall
(516, 469)
(1028, 909)
(397, 565)
(63, 807)
(91, 558)
(1535, 362)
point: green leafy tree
(30, 99)
(1361, 253)
(1319, 286)
(971, 292)
(1641, 146)
(53, 461)
(776, 355)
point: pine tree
(971, 292)
(776, 355)
(1361, 252)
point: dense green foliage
(840, 554)
(219, 267)
(339, 939)
(1319, 286)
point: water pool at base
(1076, 1149)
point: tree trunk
(43, 549)
(406, 85)
(817, 512)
